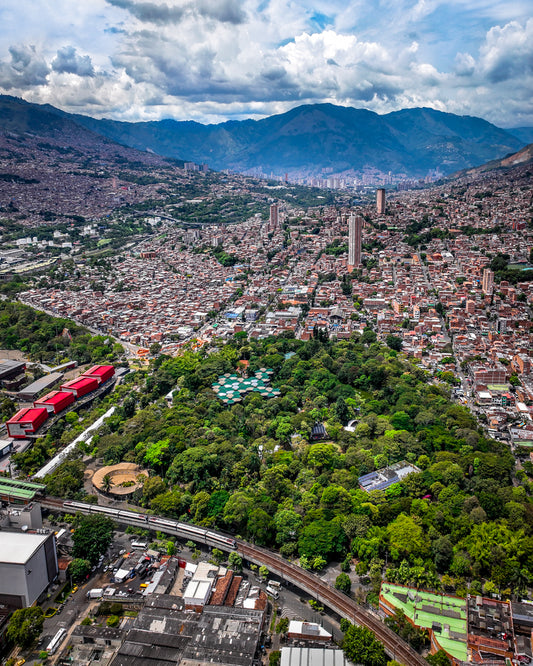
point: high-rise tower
(355, 229)
(488, 281)
(274, 217)
(380, 200)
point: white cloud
(508, 52)
(68, 61)
(213, 59)
(161, 13)
(25, 68)
(422, 9)
(464, 64)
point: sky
(216, 60)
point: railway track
(333, 599)
(306, 581)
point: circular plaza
(119, 480)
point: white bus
(56, 641)
(139, 545)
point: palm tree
(521, 580)
(107, 483)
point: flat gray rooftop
(18, 547)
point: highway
(338, 602)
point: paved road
(287, 571)
(333, 599)
(131, 348)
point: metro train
(152, 522)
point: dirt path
(176, 588)
(12, 354)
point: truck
(116, 564)
(95, 593)
(272, 591)
(143, 571)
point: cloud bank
(210, 60)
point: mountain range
(308, 140)
(523, 157)
(26, 125)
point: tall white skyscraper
(274, 217)
(355, 229)
(380, 201)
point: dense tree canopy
(361, 647)
(343, 583)
(25, 625)
(252, 469)
(45, 339)
(92, 537)
(78, 569)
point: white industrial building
(28, 564)
(200, 586)
(21, 516)
(307, 631)
(295, 656)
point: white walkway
(86, 436)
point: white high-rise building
(488, 281)
(380, 201)
(355, 230)
(274, 217)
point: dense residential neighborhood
(445, 272)
(327, 390)
(266, 333)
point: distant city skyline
(213, 60)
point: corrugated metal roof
(98, 370)
(9, 366)
(80, 381)
(16, 493)
(22, 484)
(291, 656)
(29, 415)
(54, 397)
(42, 383)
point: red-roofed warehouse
(55, 401)
(80, 386)
(100, 372)
(26, 422)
